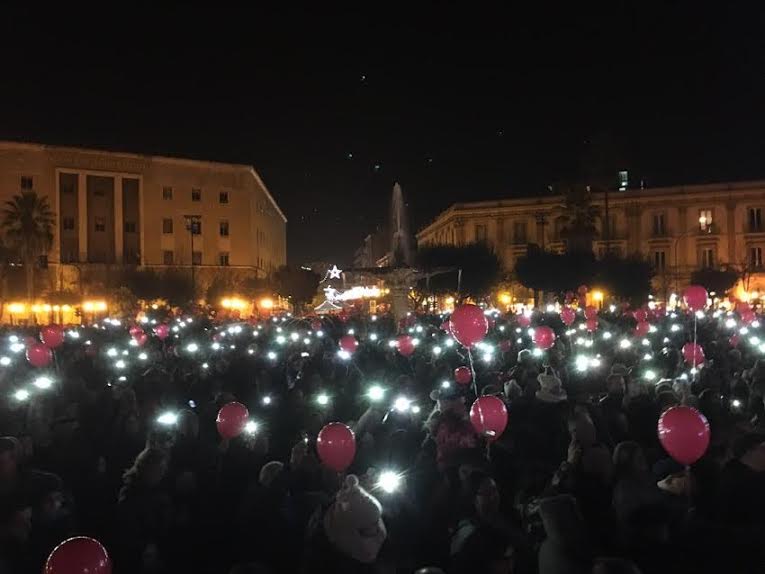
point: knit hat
(551, 389)
(353, 524)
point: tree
(28, 224)
(298, 284)
(542, 270)
(625, 277)
(123, 302)
(580, 215)
(479, 265)
(717, 281)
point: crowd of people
(119, 443)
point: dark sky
(456, 101)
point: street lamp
(193, 223)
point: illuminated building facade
(678, 229)
(121, 209)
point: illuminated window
(99, 224)
(223, 197)
(196, 194)
(755, 218)
(26, 182)
(167, 257)
(624, 180)
(167, 226)
(223, 228)
(68, 224)
(223, 258)
(659, 230)
(167, 193)
(705, 220)
(755, 257)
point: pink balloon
(78, 555)
(405, 345)
(748, 316)
(642, 328)
(734, 340)
(52, 336)
(468, 325)
(445, 325)
(693, 354)
(141, 338)
(695, 297)
(336, 446)
(640, 315)
(591, 325)
(349, 344)
(567, 315)
(232, 418)
(39, 355)
(135, 330)
(523, 320)
(488, 416)
(590, 312)
(162, 331)
(684, 434)
(462, 375)
(742, 307)
(544, 337)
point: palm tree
(28, 224)
(580, 215)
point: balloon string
(472, 374)
(694, 346)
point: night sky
(455, 102)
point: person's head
(8, 458)
(525, 358)
(629, 459)
(484, 493)
(353, 524)
(615, 385)
(614, 566)
(149, 467)
(270, 473)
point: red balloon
(590, 312)
(29, 340)
(640, 315)
(505, 345)
(462, 375)
(524, 320)
(695, 297)
(445, 325)
(39, 355)
(336, 446)
(231, 419)
(544, 337)
(405, 345)
(468, 325)
(567, 315)
(135, 330)
(162, 331)
(748, 316)
(742, 306)
(52, 336)
(141, 338)
(349, 344)
(489, 417)
(693, 354)
(591, 325)
(684, 434)
(642, 328)
(734, 340)
(79, 555)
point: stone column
(119, 218)
(82, 216)
(399, 300)
(459, 228)
(499, 236)
(541, 220)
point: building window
(519, 232)
(480, 233)
(196, 194)
(660, 260)
(67, 186)
(167, 193)
(223, 258)
(223, 197)
(100, 224)
(658, 225)
(624, 180)
(708, 258)
(224, 228)
(196, 258)
(705, 220)
(755, 218)
(167, 226)
(26, 182)
(167, 257)
(194, 225)
(755, 257)
(130, 227)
